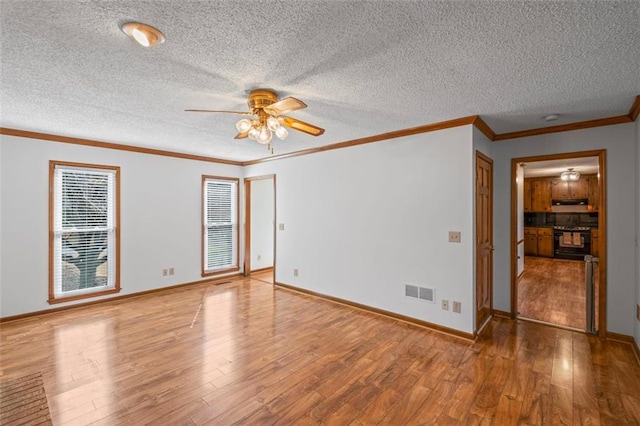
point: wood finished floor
(553, 291)
(246, 353)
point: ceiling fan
(270, 119)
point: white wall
(160, 218)
(361, 222)
(618, 140)
(262, 223)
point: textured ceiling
(363, 67)
(585, 165)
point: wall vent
(411, 290)
(422, 293)
(427, 294)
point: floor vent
(422, 293)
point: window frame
(203, 230)
(52, 214)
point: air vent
(421, 293)
(411, 290)
(426, 294)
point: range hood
(576, 205)
(571, 202)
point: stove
(571, 242)
(572, 228)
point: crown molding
(484, 128)
(371, 139)
(475, 120)
(564, 127)
(110, 145)
(634, 111)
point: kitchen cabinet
(530, 241)
(538, 242)
(545, 242)
(594, 193)
(527, 195)
(568, 190)
(595, 252)
(541, 195)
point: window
(84, 232)
(220, 225)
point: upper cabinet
(541, 195)
(568, 190)
(527, 195)
(538, 192)
(594, 192)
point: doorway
(558, 216)
(260, 244)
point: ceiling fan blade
(241, 135)
(213, 110)
(285, 105)
(302, 126)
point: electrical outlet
(445, 305)
(164, 272)
(295, 272)
(281, 226)
(457, 307)
(454, 236)
(171, 271)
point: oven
(571, 242)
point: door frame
(247, 222)
(602, 228)
(488, 159)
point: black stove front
(571, 242)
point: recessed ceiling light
(551, 117)
(144, 34)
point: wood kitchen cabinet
(568, 190)
(594, 193)
(541, 195)
(538, 242)
(527, 195)
(545, 242)
(595, 252)
(530, 241)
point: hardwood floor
(248, 353)
(553, 291)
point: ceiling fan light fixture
(264, 135)
(273, 123)
(282, 133)
(254, 133)
(143, 34)
(570, 175)
(243, 125)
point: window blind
(84, 230)
(220, 224)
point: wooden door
(484, 238)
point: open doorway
(558, 218)
(259, 259)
